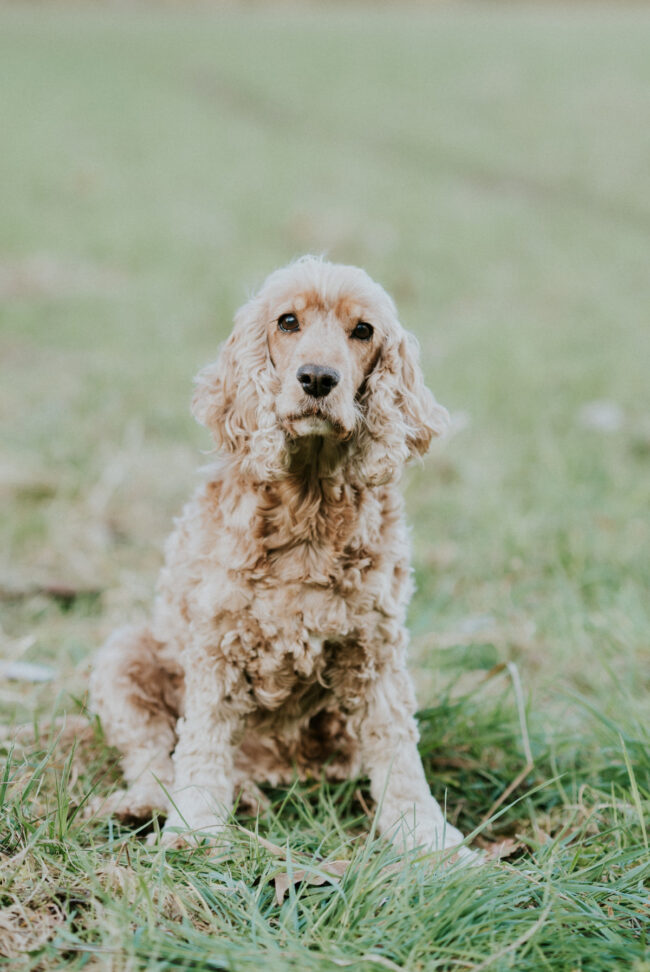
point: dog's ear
(221, 401)
(234, 396)
(213, 396)
(401, 416)
(423, 416)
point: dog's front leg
(407, 813)
(202, 794)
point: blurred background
(488, 164)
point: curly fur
(278, 644)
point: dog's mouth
(314, 420)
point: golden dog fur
(278, 644)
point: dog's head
(319, 356)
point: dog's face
(322, 352)
(319, 353)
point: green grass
(489, 166)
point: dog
(277, 645)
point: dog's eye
(288, 322)
(363, 331)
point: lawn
(489, 165)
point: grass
(489, 166)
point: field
(489, 165)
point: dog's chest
(298, 670)
(303, 613)
(303, 639)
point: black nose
(317, 380)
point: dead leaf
(499, 849)
(331, 871)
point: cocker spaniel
(278, 644)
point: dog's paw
(126, 805)
(192, 831)
(465, 856)
(443, 842)
(169, 840)
(446, 844)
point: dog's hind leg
(137, 697)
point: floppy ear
(234, 397)
(424, 418)
(401, 415)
